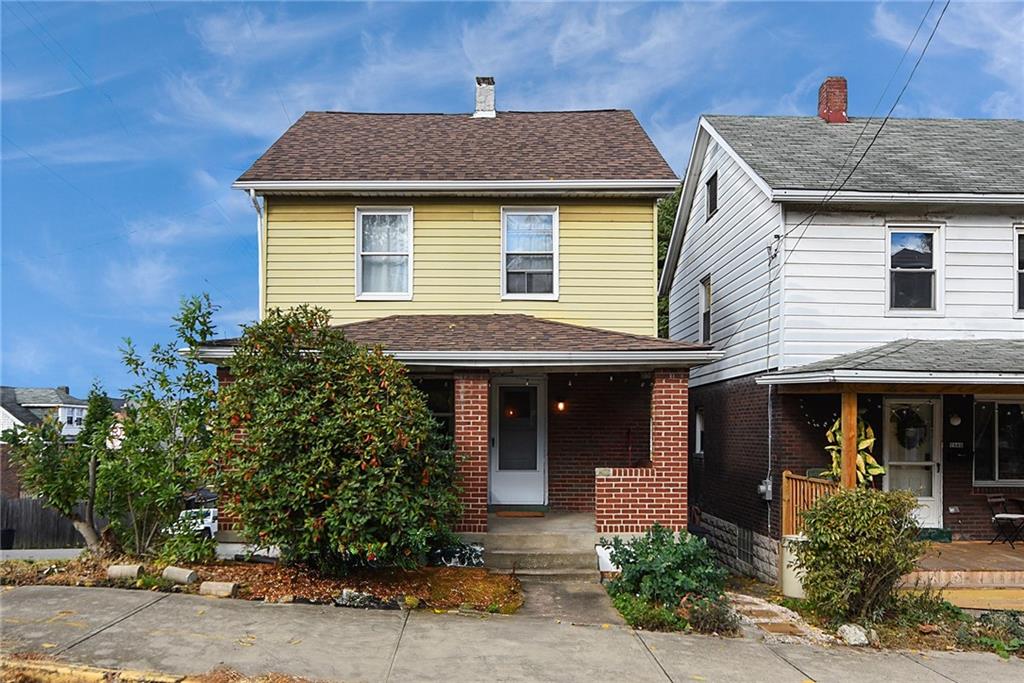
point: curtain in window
(529, 253)
(385, 253)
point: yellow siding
(607, 260)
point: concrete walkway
(40, 554)
(181, 634)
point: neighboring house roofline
(644, 187)
(796, 195)
(890, 377)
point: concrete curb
(46, 671)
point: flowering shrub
(327, 450)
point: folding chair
(1008, 525)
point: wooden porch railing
(799, 494)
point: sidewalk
(181, 634)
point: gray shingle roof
(9, 401)
(45, 396)
(910, 155)
(1004, 356)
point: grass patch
(641, 614)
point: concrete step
(521, 560)
(554, 575)
(534, 542)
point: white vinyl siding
(836, 283)
(731, 248)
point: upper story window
(704, 307)
(914, 258)
(384, 253)
(711, 194)
(1018, 237)
(529, 253)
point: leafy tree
(53, 469)
(667, 208)
(327, 450)
(135, 470)
(164, 433)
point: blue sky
(124, 124)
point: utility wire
(830, 194)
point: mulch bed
(441, 588)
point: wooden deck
(970, 564)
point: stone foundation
(741, 550)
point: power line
(831, 194)
(288, 116)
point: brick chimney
(484, 97)
(832, 100)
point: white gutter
(525, 358)
(857, 197)
(658, 186)
(891, 377)
(259, 252)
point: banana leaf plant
(867, 467)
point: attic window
(1019, 262)
(711, 194)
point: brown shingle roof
(570, 145)
(495, 332)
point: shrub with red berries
(327, 449)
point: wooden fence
(38, 526)
(799, 494)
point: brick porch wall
(471, 444)
(631, 499)
(606, 424)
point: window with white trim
(529, 246)
(999, 441)
(704, 306)
(1018, 237)
(913, 258)
(384, 253)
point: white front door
(913, 454)
(519, 441)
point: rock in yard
(124, 571)
(219, 589)
(353, 598)
(854, 635)
(180, 575)
(928, 629)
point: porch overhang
(866, 381)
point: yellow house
(509, 259)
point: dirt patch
(39, 669)
(431, 587)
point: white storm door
(518, 441)
(913, 455)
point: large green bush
(327, 450)
(662, 569)
(859, 543)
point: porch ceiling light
(561, 405)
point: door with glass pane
(913, 455)
(518, 442)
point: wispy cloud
(992, 30)
(88, 149)
(143, 280)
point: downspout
(259, 251)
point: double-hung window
(1018, 262)
(999, 441)
(384, 253)
(529, 246)
(914, 260)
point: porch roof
(916, 361)
(506, 340)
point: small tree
(327, 450)
(55, 470)
(859, 544)
(164, 432)
(138, 481)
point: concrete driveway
(181, 634)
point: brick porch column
(471, 445)
(632, 499)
